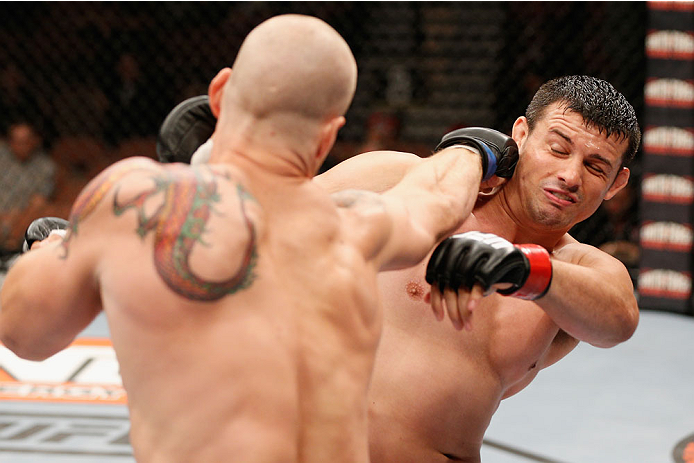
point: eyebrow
(594, 155)
(565, 137)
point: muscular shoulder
(570, 250)
(153, 192)
(180, 211)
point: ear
(216, 90)
(520, 131)
(492, 185)
(619, 182)
(328, 135)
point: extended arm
(380, 170)
(432, 200)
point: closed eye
(596, 168)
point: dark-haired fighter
(435, 388)
(241, 297)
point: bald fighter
(241, 297)
(520, 292)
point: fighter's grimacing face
(565, 169)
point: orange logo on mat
(86, 371)
(688, 454)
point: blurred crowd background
(85, 84)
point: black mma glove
(188, 125)
(473, 257)
(39, 230)
(499, 151)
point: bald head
(293, 64)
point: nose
(570, 173)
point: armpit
(562, 344)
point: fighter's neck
(496, 215)
(258, 163)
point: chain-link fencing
(95, 80)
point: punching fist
(482, 258)
(186, 128)
(39, 230)
(499, 152)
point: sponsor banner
(672, 6)
(669, 93)
(667, 188)
(668, 236)
(668, 141)
(670, 44)
(665, 283)
(670, 15)
(86, 371)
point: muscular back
(237, 302)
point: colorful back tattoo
(189, 194)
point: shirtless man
(436, 388)
(241, 298)
(436, 385)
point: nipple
(415, 291)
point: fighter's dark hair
(597, 101)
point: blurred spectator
(622, 219)
(614, 228)
(382, 132)
(27, 176)
(16, 101)
(129, 114)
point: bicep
(592, 260)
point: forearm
(595, 304)
(38, 315)
(18, 311)
(443, 189)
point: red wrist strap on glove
(540, 275)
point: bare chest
(509, 338)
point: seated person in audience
(27, 176)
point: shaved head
(292, 64)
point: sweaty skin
(435, 388)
